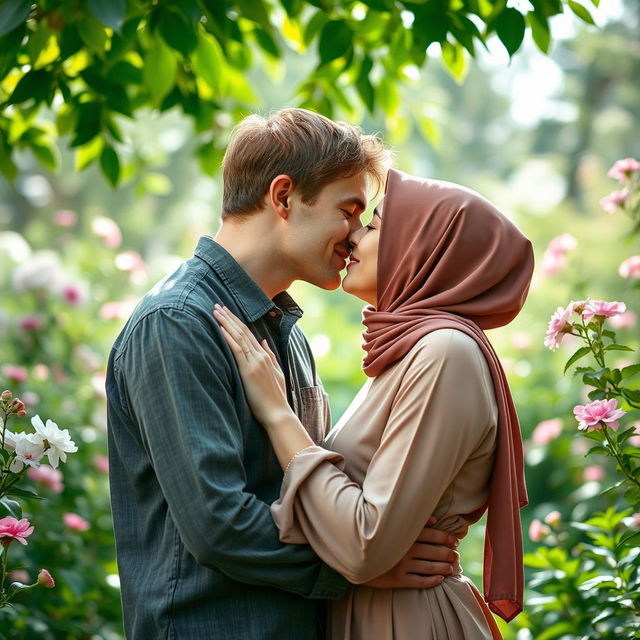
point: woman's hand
(263, 380)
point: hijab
(448, 259)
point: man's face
(317, 244)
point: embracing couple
(238, 512)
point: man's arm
(179, 387)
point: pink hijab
(449, 259)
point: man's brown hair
(310, 148)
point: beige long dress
(417, 440)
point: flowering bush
(587, 574)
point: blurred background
(536, 134)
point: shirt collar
(248, 295)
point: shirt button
(273, 314)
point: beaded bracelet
(295, 455)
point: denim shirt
(192, 472)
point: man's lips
(352, 262)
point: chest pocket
(314, 412)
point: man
(192, 473)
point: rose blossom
(117, 310)
(592, 416)
(108, 231)
(553, 518)
(14, 373)
(603, 309)
(129, 261)
(39, 272)
(12, 529)
(546, 431)
(101, 463)
(593, 473)
(30, 322)
(552, 263)
(58, 441)
(558, 326)
(29, 450)
(45, 579)
(538, 530)
(614, 201)
(65, 218)
(74, 293)
(75, 522)
(622, 169)
(624, 320)
(48, 476)
(630, 268)
(19, 575)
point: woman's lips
(352, 262)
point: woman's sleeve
(444, 409)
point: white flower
(41, 271)
(29, 450)
(9, 440)
(57, 442)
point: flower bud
(45, 579)
(22, 413)
(553, 518)
(6, 395)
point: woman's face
(362, 270)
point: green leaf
(36, 84)
(336, 39)
(617, 347)
(539, 32)
(454, 60)
(47, 155)
(598, 581)
(510, 27)
(12, 13)
(159, 71)
(209, 63)
(581, 12)
(178, 31)
(365, 88)
(7, 165)
(632, 395)
(11, 507)
(255, 10)
(110, 164)
(93, 34)
(109, 12)
(266, 41)
(313, 26)
(89, 123)
(631, 370)
(580, 353)
(24, 493)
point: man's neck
(250, 242)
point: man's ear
(279, 195)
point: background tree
(95, 61)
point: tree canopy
(92, 62)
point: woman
(434, 430)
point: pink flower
(592, 416)
(635, 439)
(19, 575)
(47, 476)
(117, 310)
(593, 473)
(108, 231)
(602, 309)
(562, 244)
(624, 320)
(538, 530)
(546, 431)
(521, 340)
(558, 326)
(614, 201)
(553, 518)
(622, 169)
(101, 463)
(74, 293)
(635, 522)
(12, 529)
(31, 322)
(75, 522)
(65, 218)
(552, 263)
(45, 579)
(630, 268)
(14, 373)
(129, 261)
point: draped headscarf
(448, 258)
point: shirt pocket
(315, 407)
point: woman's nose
(354, 236)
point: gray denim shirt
(193, 474)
